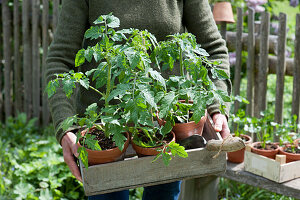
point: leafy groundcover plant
(131, 86)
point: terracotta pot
(185, 130)
(290, 157)
(222, 12)
(148, 151)
(105, 156)
(268, 153)
(238, 156)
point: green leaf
(149, 98)
(166, 128)
(176, 149)
(223, 95)
(84, 83)
(51, 87)
(157, 76)
(220, 74)
(113, 22)
(119, 139)
(67, 123)
(80, 58)
(166, 158)
(198, 114)
(83, 155)
(88, 54)
(68, 86)
(92, 142)
(93, 33)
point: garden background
(31, 162)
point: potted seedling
(192, 90)
(264, 128)
(241, 121)
(124, 82)
(289, 145)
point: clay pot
(105, 156)
(185, 130)
(268, 153)
(223, 12)
(290, 157)
(148, 151)
(238, 156)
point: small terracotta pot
(148, 151)
(268, 153)
(290, 157)
(185, 130)
(105, 156)
(238, 156)
(222, 12)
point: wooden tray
(137, 172)
(276, 170)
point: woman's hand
(221, 124)
(68, 143)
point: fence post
(263, 62)
(6, 22)
(45, 23)
(280, 70)
(238, 64)
(17, 60)
(27, 67)
(296, 82)
(36, 75)
(55, 13)
(250, 63)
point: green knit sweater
(160, 17)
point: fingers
(69, 149)
(221, 124)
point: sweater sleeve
(67, 41)
(198, 19)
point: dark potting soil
(289, 150)
(104, 142)
(159, 138)
(269, 146)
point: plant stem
(96, 91)
(108, 81)
(181, 63)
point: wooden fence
(28, 28)
(26, 33)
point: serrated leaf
(157, 76)
(166, 128)
(176, 149)
(67, 123)
(119, 139)
(93, 33)
(88, 54)
(92, 143)
(80, 59)
(166, 158)
(51, 87)
(83, 155)
(113, 22)
(223, 95)
(220, 74)
(149, 98)
(68, 86)
(84, 83)
(198, 114)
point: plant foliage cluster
(31, 165)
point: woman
(160, 17)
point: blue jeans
(168, 191)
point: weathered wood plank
(27, 51)
(280, 70)
(231, 42)
(238, 64)
(1, 74)
(137, 172)
(296, 74)
(236, 172)
(17, 60)
(6, 23)
(289, 62)
(55, 14)
(250, 63)
(36, 88)
(263, 62)
(45, 23)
